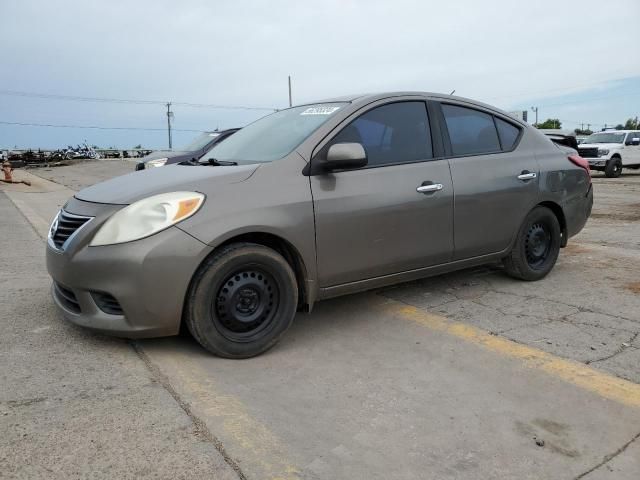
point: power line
(96, 127)
(75, 98)
(223, 107)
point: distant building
(521, 115)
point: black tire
(242, 300)
(537, 246)
(613, 169)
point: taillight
(580, 162)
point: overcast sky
(576, 60)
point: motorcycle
(81, 152)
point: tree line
(551, 123)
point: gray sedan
(309, 203)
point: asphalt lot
(467, 375)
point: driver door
(372, 221)
(631, 154)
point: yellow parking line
(244, 436)
(608, 386)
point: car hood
(164, 154)
(138, 185)
(600, 145)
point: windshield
(274, 136)
(200, 141)
(605, 138)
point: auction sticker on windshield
(319, 110)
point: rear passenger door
(495, 179)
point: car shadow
(348, 315)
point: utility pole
(169, 116)
(290, 101)
(535, 109)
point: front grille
(107, 303)
(66, 297)
(588, 152)
(67, 225)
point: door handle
(432, 187)
(526, 175)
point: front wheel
(613, 169)
(537, 246)
(242, 300)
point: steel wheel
(241, 301)
(537, 245)
(245, 303)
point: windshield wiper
(192, 162)
(221, 163)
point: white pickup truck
(611, 151)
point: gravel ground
(78, 405)
(588, 309)
(83, 174)
(352, 391)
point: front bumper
(148, 278)
(597, 162)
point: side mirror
(635, 141)
(345, 155)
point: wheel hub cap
(538, 245)
(246, 301)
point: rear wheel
(613, 169)
(242, 300)
(537, 246)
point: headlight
(148, 216)
(602, 152)
(158, 162)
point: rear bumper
(577, 211)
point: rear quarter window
(508, 134)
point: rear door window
(392, 133)
(471, 132)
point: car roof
(558, 131)
(615, 131)
(365, 98)
(223, 131)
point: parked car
(194, 151)
(611, 151)
(562, 137)
(309, 203)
